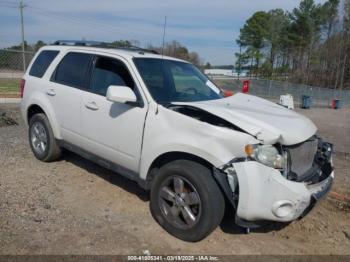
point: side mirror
(121, 94)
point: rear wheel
(186, 201)
(42, 140)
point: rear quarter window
(42, 62)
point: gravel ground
(73, 206)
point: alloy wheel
(179, 202)
(38, 137)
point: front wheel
(186, 201)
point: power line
(7, 2)
(86, 21)
(92, 25)
(102, 26)
(150, 21)
(8, 5)
(98, 26)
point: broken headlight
(267, 155)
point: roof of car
(124, 52)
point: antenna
(163, 36)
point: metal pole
(163, 36)
(21, 6)
(240, 59)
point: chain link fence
(272, 90)
(13, 63)
(12, 66)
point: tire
(42, 140)
(173, 210)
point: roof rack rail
(102, 45)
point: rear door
(112, 130)
(67, 83)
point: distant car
(162, 123)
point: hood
(267, 121)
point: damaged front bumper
(265, 194)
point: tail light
(21, 86)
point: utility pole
(21, 6)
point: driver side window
(109, 71)
(186, 82)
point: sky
(208, 27)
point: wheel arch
(32, 110)
(168, 157)
(36, 107)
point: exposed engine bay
(203, 116)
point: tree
(305, 32)
(38, 45)
(346, 17)
(207, 65)
(309, 45)
(277, 37)
(253, 35)
(330, 16)
(194, 58)
(121, 43)
(345, 79)
(176, 49)
(306, 22)
(263, 35)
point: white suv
(161, 122)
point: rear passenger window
(108, 71)
(42, 62)
(72, 70)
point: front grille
(302, 158)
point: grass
(9, 86)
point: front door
(112, 130)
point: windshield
(173, 81)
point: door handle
(91, 106)
(51, 92)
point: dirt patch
(6, 120)
(340, 204)
(73, 206)
(333, 125)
